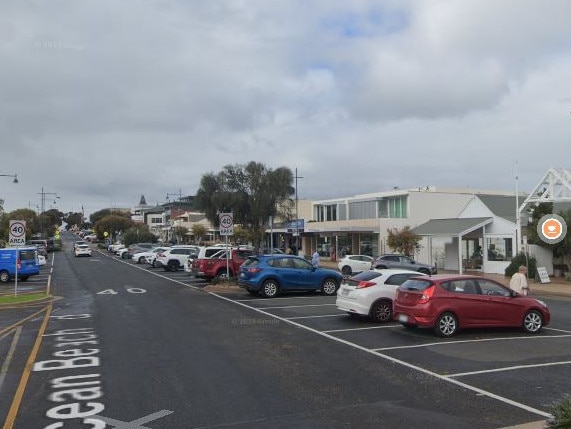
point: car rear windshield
(251, 261)
(415, 284)
(27, 255)
(366, 275)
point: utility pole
(296, 215)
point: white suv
(175, 257)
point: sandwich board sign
(17, 232)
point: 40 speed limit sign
(17, 232)
(226, 221)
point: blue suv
(272, 274)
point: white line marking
(294, 306)
(313, 317)
(484, 340)
(10, 355)
(361, 329)
(394, 360)
(510, 368)
(279, 298)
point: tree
(252, 192)
(537, 212)
(27, 215)
(113, 224)
(73, 219)
(138, 233)
(180, 232)
(198, 231)
(403, 241)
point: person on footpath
(518, 282)
(315, 259)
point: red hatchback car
(448, 303)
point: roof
(503, 206)
(447, 227)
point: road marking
(293, 306)
(395, 360)
(484, 340)
(135, 424)
(312, 317)
(360, 329)
(15, 407)
(6, 364)
(279, 298)
(510, 368)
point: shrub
(561, 413)
(521, 259)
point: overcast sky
(102, 101)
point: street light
(15, 176)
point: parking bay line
(360, 329)
(394, 360)
(276, 299)
(307, 317)
(447, 343)
(294, 306)
(509, 368)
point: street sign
(17, 233)
(226, 221)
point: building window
(326, 213)
(499, 249)
(393, 207)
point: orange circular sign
(552, 229)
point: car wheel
(346, 270)
(124, 255)
(424, 271)
(221, 274)
(532, 322)
(4, 276)
(446, 325)
(382, 311)
(270, 288)
(329, 287)
(141, 260)
(172, 265)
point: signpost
(226, 221)
(17, 238)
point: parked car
(175, 257)
(221, 264)
(28, 263)
(142, 257)
(402, 262)
(371, 293)
(123, 253)
(352, 264)
(113, 248)
(136, 248)
(41, 260)
(448, 303)
(82, 250)
(273, 274)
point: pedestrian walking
(315, 259)
(518, 282)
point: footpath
(558, 286)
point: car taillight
(364, 284)
(426, 295)
(253, 270)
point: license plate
(403, 318)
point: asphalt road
(129, 347)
